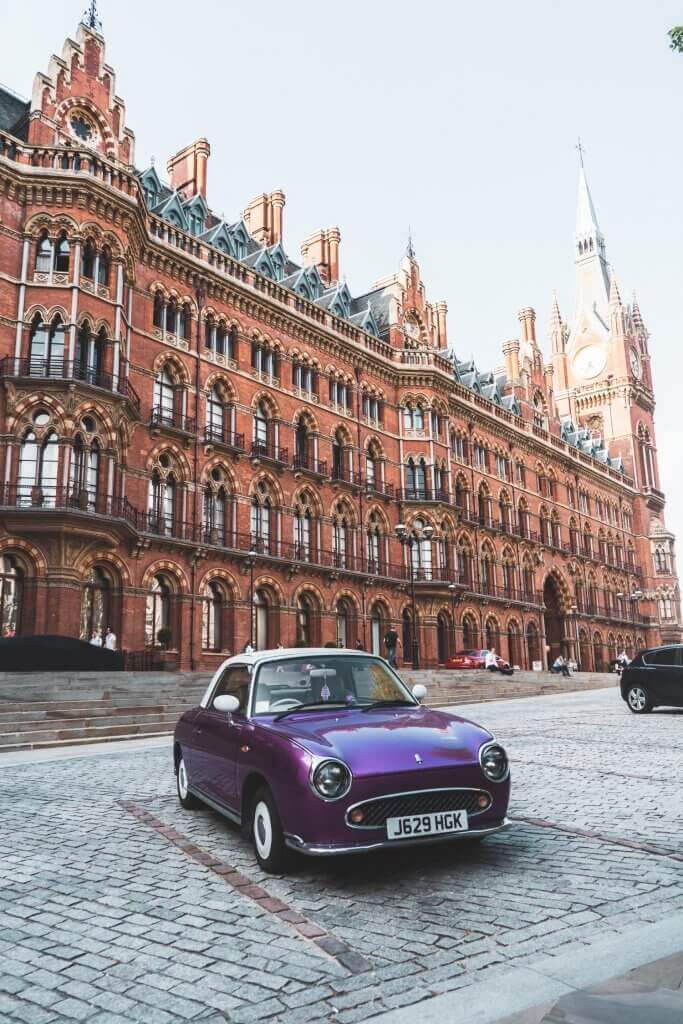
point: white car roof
(278, 653)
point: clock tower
(604, 381)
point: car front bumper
(334, 850)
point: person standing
(110, 639)
(391, 642)
(96, 638)
(359, 644)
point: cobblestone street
(105, 919)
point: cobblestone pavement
(103, 919)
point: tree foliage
(676, 38)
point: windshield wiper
(315, 704)
(396, 703)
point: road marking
(230, 875)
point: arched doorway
(554, 618)
(377, 630)
(11, 591)
(533, 644)
(261, 621)
(469, 633)
(442, 631)
(584, 652)
(345, 623)
(514, 646)
(598, 653)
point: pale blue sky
(459, 119)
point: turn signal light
(356, 816)
(483, 800)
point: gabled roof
(197, 204)
(151, 180)
(173, 205)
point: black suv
(654, 677)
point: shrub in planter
(164, 637)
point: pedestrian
(491, 660)
(359, 644)
(560, 666)
(110, 639)
(391, 642)
(96, 638)
(248, 648)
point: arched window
(159, 315)
(46, 348)
(303, 533)
(304, 621)
(508, 576)
(89, 355)
(213, 608)
(263, 431)
(491, 633)
(375, 546)
(528, 581)
(661, 564)
(340, 467)
(44, 254)
(464, 563)
(158, 624)
(416, 479)
(370, 467)
(88, 260)
(164, 398)
(261, 514)
(215, 503)
(341, 538)
(85, 471)
(344, 623)
(11, 595)
(470, 633)
(421, 553)
(217, 415)
(37, 477)
(162, 503)
(96, 601)
(488, 572)
(184, 322)
(301, 446)
(62, 255)
(171, 316)
(484, 506)
(263, 359)
(104, 267)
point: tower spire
(91, 17)
(592, 276)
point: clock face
(635, 363)
(589, 361)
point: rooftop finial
(580, 150)
(91, 17)
(410, 248)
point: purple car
(326, 752)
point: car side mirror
(226, 702)
(419, 692)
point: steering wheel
(285, 704)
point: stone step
(169, 717)
(124, 700)
(59, 737)
(50, 744)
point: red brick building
(205, 440)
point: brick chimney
(511, 353)
(187, 169)
(441, 309)
(263, 217)
(321, 250)
(527, 318)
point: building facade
(205, 441)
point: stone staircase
(70, 708)
(454, 687)
(42, 710)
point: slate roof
(13, 112)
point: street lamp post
(408, 538)
(251, 563)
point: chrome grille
(427, 801)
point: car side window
(235, 681)
(669, 656)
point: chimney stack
(527, 318)
(187, 169)
(441, 310)
(321, 250)
(263, 217)
(511, 353)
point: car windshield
(320, 679)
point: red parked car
(476, 659)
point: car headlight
(331, 779)
(494, 762)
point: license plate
(426, 824)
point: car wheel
(187, 799)
(638, 700)
(267, 835)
